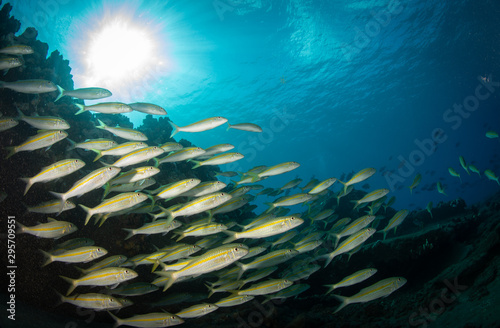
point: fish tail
(242, 270)
(345, 185)
(181, 235)
(329, 258)
(89, 213)
(211, 290)
(82, 109)
(21, 114)
(431, 214)
(72, 283)
(175, 129)
(343, 299)
(118, 321)
(101, 125)
(99, 154)
(48, 258)
(355, 202)
(62, 197)
(61, 92)
(271, 207)
(157, 162)
(232, 236)
(198, 164)
(228, 126)
(103, 219)
(61, 297)
(330, 289)
(131, 233)
(170, 276)
(12, 151)
(20, 228)
(72, 146)
(83, 271)
(267, 299)
(29, 183)
(411, 190)
(210, 216)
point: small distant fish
(491, 175)
(395, 221)
(474, 169)
(7, 123)
(429, 208)
(390, 202)
(203, 125)
(289, 200)
(129, 186)
(234, 300)
(491, 134)
(204, 188)
(352, 228)
(52, 229)
(464, 164)
(200, 204)
(440, 188)
(416, 182)
(228, 174)
(105, 108)
(276, 169)
(219, 159)
(17, 49)
(135, 289)
(30, 86)
(111, 261)
(8, 63)
(454, 173)
(174, 189)
(84, 93)
(269, 228)
(158, 226)
(124, 133)
(148, 108)
(40, 140)
(251, 127)
(266, 287)
(54, 171)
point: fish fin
(103, 219)
(228, 126)
(175, 129)
(155, 265)
(271, 207)
(99, 154)
(62, 197)
(169, 275)
(61, 92)
(12, 151)
(118, 321)
(181, 236)
(51, 220)
(211, 290)
(89, 213)
(232, 236)
(242, 270)
(83, 271)
(28, 184)
(198, 164)
(107, 187)
(82, 110)
(157, 162)
(48, 258)
(343, 299)
(411, 190)
(329, 257)
(101, 125)
(170, 216)
(130, 233)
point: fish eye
(126, 271)
(98, 249)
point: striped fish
(197, 311)
(323, 185)
(158, 226)
(138, 156)
(219, 159)
(40, 140)
(54, 171)
(200, 204)
(52, 229)
(105, 108)
(380, 289)
(119, 150)
(131, 186)
(134, 175)
(268, 228)
(203, 125)
(234, 300)
(148, 108)
(115, 260)
(44, 122)
(103, 277)
(30, 86)
(267, 260)
(77, 255)
(94, 180)
(350, 243)
(210, 261)
(250, 127)
(98, 144)
(359, 177)
(124, 133)
(353, 279)
(7, 123)
(370, 197)
(174, 189)
(354, 227)
(92, 301)
(115, 204)
(395, 221)
(182, 155)
(52, 206)
(157, 319)
(84, 93)
(266, 287)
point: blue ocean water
(337, 86)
